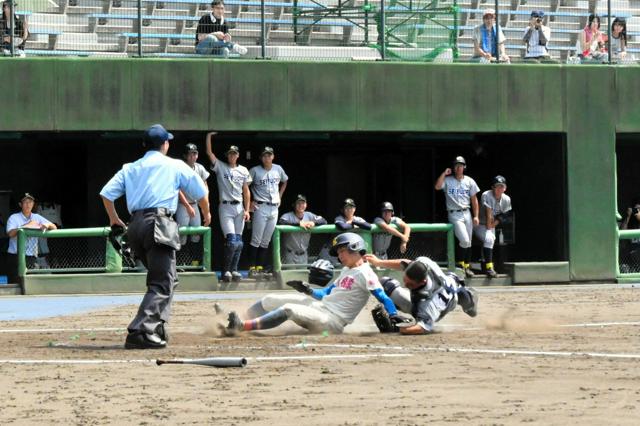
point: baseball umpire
(460, 195)
(429, 294)
(495, 210)
(233, 188)
(151, 186)
(328, 309)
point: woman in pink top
(592, 41)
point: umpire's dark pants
(160, 261)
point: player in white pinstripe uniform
(233, 188)
(269, 182)
(460, 195)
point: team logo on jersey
(233, 178)
(347, 283)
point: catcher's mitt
(383, 321)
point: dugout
(69, 168)
(95, 97)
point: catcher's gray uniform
(382, 241)
(430, 303)
(488, 236)
(265, 189)
(458, 195)
(182, 216)
(230, 181)
(295, 244)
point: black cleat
(144, 341)
(234, 325)
(471, 308)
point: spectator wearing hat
(151, 186)
(388, 222)
(536, 37)
(235, 201)
(20, 31)
(484, 39)
(268, 183)
(348, 220)
(294, 245)
(28, 220)
(188, 213)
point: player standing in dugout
(460, 195)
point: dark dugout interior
(627, 154)
(70, 168)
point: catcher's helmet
(353, 242)
(321, 272)
(499, 180)
(190, 148)
(386, 206)
(459, 160)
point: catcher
(327, 309)
(429, 294)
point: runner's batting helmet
(353, 242)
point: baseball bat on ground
(210, 362)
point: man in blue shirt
(151, 186)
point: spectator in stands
(212, 34)
(592, 41)
(28, 220)
(619, 38)
(484, 39)
(20, 32)
(295, 244)
(536, 36)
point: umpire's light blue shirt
(154, 181)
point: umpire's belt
(297, 253)
(459, 210)
(267, 203)
(162, 211)
(230, 202)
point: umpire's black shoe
(144, 341)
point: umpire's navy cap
(157, 133)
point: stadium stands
(110, 27)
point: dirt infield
(547, 355)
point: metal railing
(446, 248)
(628, 265)
(90, 251)
(320, 30)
